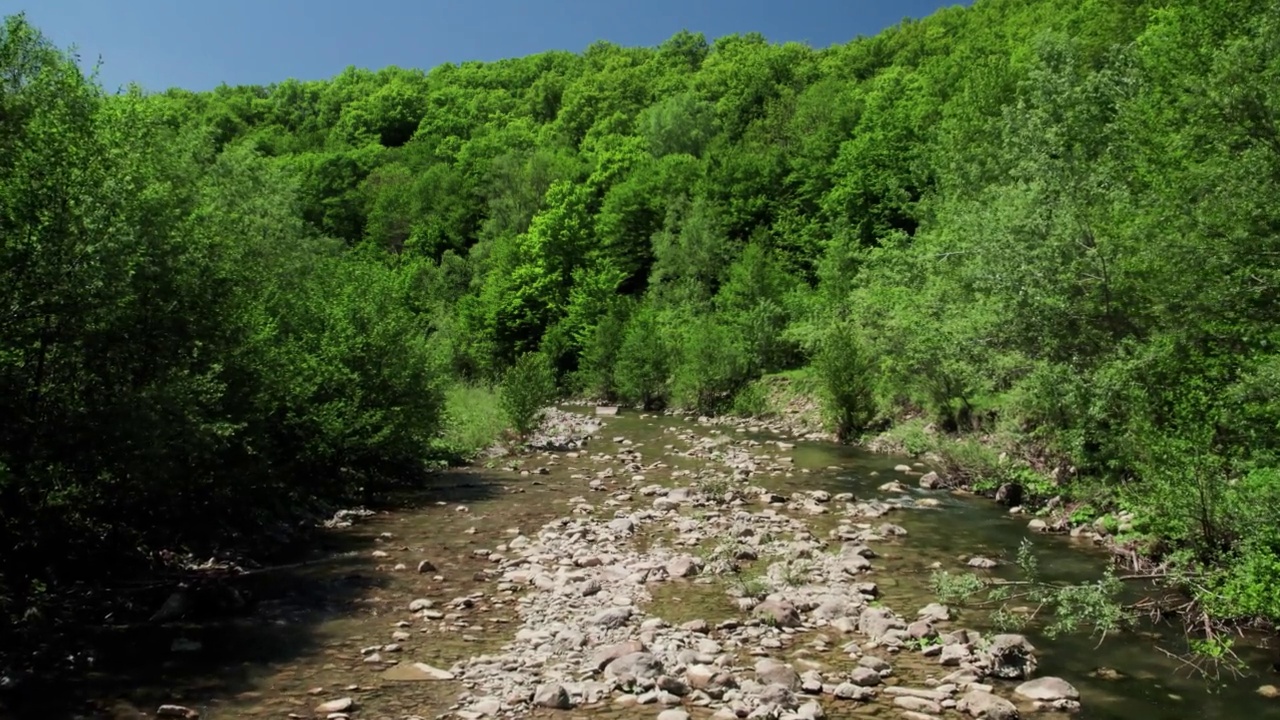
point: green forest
(1038, 239)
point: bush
(751, 401)
(473, 421)
(911, 438)
(846, 372)
(190, 365)
(598, 363)
(970, 461)
(348, 372)
(713, 367)
(1248, 586)
(1083, 514)
(644, 361)
(526, 390)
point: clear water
(303, 645)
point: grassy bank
(474, 421)
(1191, 525)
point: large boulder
(876, 622)
(985, 706)
(772, 672)
(553, 696)
(778, 613)
(605, 655)
(637, 666)
(1010, 657)
(1047, 689)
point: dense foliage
(1049, 224)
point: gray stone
(612, 618)
(778, 696)
(684, 566)
(487, 707)
(986, 706)
(335, 706)
(1047, 688)
(634, 666)
(880, 665)
(553, 696)
(415, 672)
(864, 676)
(608, 654)
(1010, 657)
(876, 622)
(849, 691)
(953, 655)
(917, 704)
(921, 629)
(811, 682)
(772, 672)
(699, 626)
(810, 710)
(779, 613)
(673, 686)
(935, 612)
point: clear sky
(197, 44)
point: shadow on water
(139, 665)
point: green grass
(473, 421)
(908, 437)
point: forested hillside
(1049, 226)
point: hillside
(1048, 225)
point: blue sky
(197, 44)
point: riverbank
(724, 563)
(1045, 490)
(587, 639)
(788, 405)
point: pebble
(335, 706)
(578, 591)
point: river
(313, 630)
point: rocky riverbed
(637, 567)
(582, 584)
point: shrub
(845, 370)
(643, 363)
(474, 419)
(526, 389)
(713, 367)
(596, 374)
(751, 401)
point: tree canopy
(1052, 221)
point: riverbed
(342, 630)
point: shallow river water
(303, 644)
